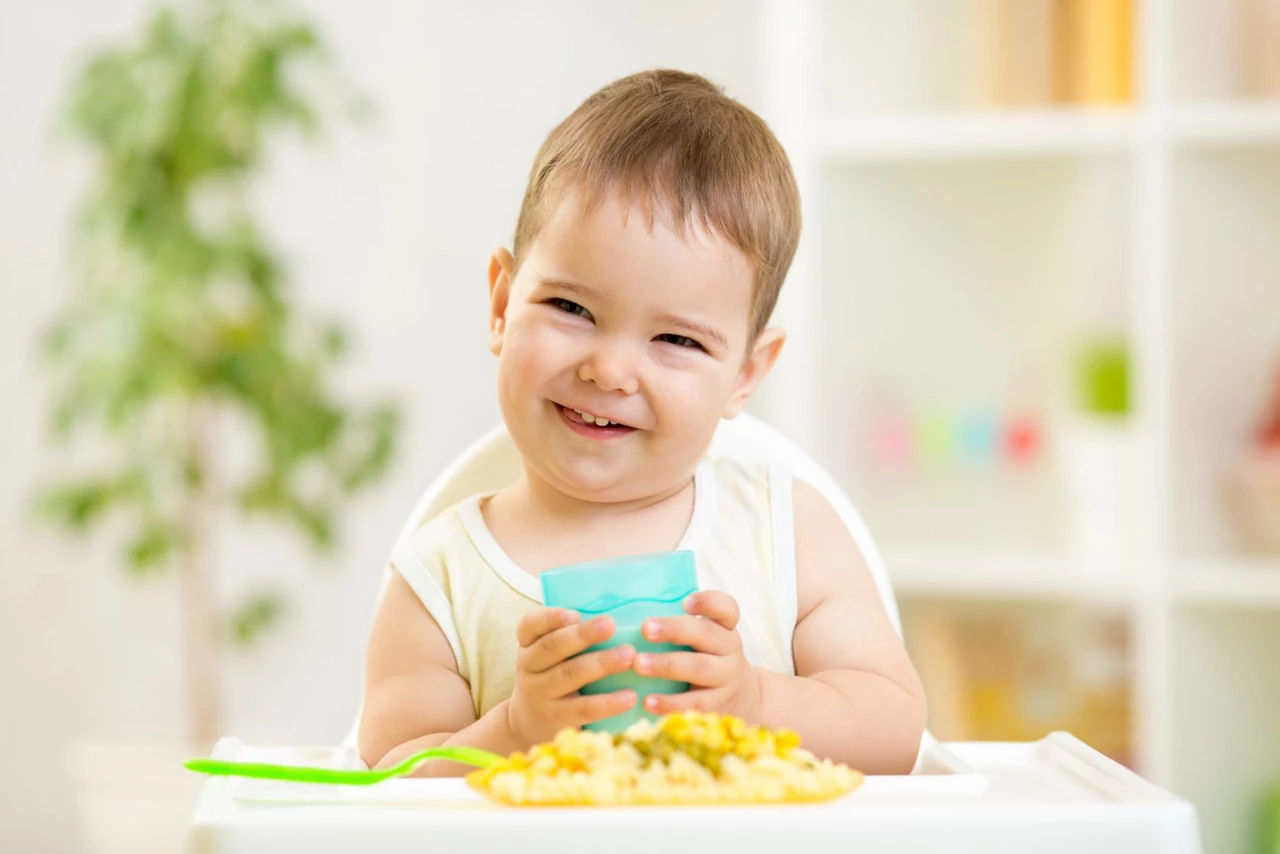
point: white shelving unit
(1226, 125)
(1228, 583)
(957, 250)
(973, 135)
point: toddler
(628, 318)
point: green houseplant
(179, 340)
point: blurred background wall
(389, 226)
(1041, 322)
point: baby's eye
(680, 340)
(569, 306)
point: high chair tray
(1052, 795)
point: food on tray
(683, 758)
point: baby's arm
(856, 697)
(414, 696)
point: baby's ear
(757, 366)
(500, 271)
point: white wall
(391, 227)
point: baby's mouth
(590, 421)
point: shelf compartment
(1226, 729)
(868, 56)
(954, 293)
(1223, 50)
(992, 673)
(1225, 330)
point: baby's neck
(540, 527)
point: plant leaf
(149, 550)
(79, 504)
(252, 618)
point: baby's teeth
(594, 419)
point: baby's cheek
(530, 353)
(693, 406)
(686, 432)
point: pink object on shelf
(1022, 439)
(1253, 501)
(1268, 433)
(891, 440)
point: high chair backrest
(492, 462)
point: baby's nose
(611, 365)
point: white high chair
(492, 462)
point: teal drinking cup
(629, 590)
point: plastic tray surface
(1052, 795)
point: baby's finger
(553, 648)
(707, 671)
(702, 701)
(571, 675)
(702, 634)
(540, 621)
(714, 605)
(593, 707)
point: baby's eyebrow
(564, 284)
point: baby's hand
(545, 698)
(718, 674)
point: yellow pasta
(683, 758)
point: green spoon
(307, 774)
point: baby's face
(637, 326)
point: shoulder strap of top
(406, 559)
(782, 516)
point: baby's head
(657, 227)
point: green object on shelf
(1270, 841)
(309, 774)
(1104, 378)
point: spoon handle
(453, 752)
(310, 774)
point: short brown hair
(675, 137)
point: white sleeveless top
(742, 533)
